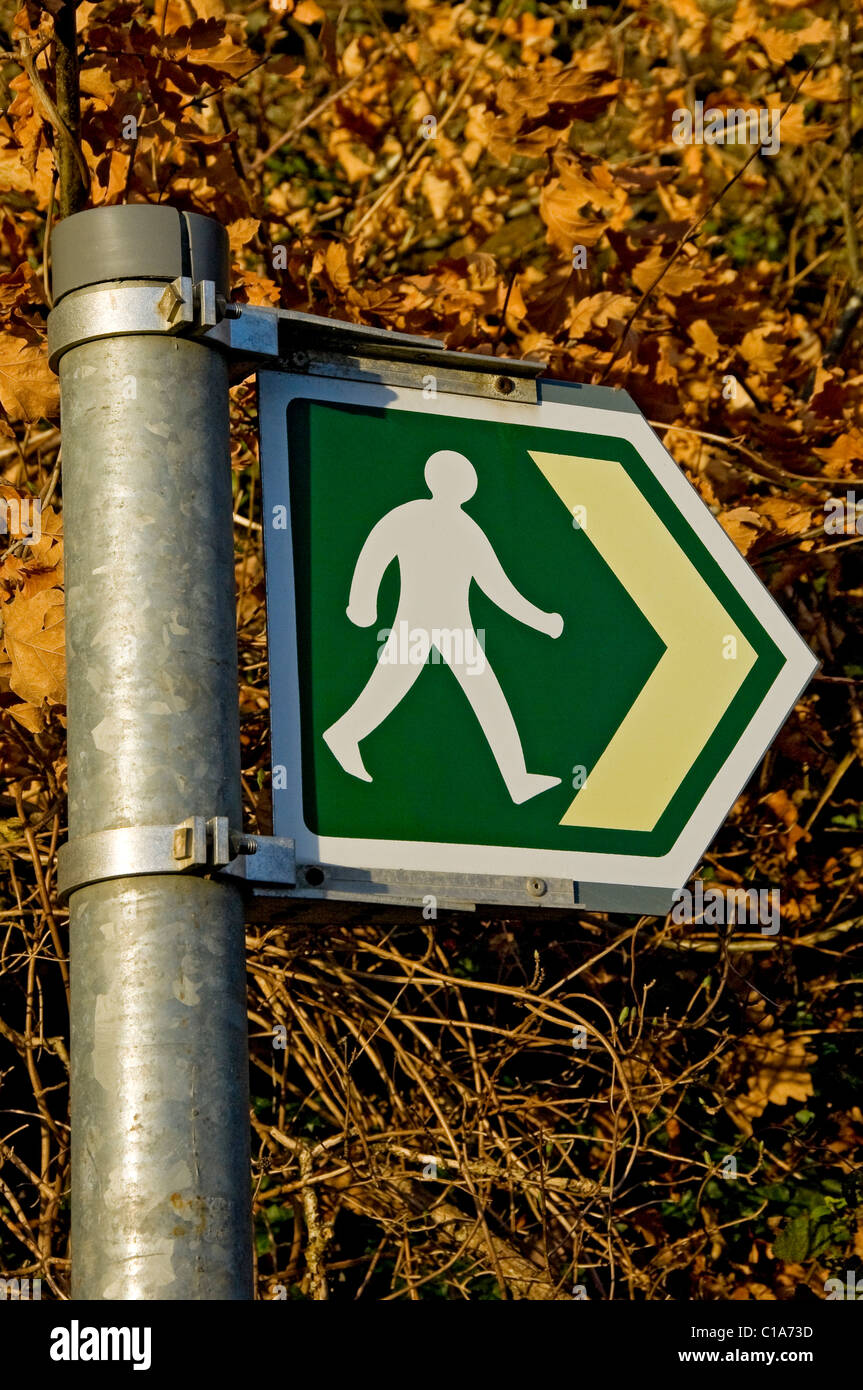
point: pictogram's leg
(488, 702)
(386, 688)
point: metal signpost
(160, 1138)
(513, 660)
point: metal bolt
(505, 385)
(536, 887)
(226, 309)
(244, 844)
(313, 875)
(300, 358)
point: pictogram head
(450, 476)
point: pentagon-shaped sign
(511, 649)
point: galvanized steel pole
(160, 1133)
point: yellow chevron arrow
(695, 679)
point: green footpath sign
(510, 648)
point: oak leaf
(241, 231)
(742, 525)
(763, 356)
(98, 82)
(30, 716)
(843, 453)
(28, 388)
(34, 630)
(438, 194)
(704, 339)
(782, 806)
(598, 310)
(681, 278)
(781, 1074)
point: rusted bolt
(505, 385)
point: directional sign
(507, 642)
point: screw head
(505, 385)
(536, 887)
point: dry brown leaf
(35, 579)
(704, 339)
(577, 187)
(788, 517)
(307, 12)
(15, 177)
(205, 42)
(342, 146)
(781, 1074)
(110, 175)
(28, 388)
(742, 524)
(336, 263)
(34, 630)
(439, 193)
(98, 82)
(783, 807)
(843, 454)
(259, 288)
(680, 278)
(241, 231)
(763, 356)
(20, 287)
(597, 310)
(30, 716)
(793, 129)
(828, 84)
(779, 44)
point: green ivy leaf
(792, 1243)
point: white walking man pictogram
(440, 550)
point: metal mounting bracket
(286, 339)
(183, 307)
(253, 336)
(197, 844)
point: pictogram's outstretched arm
(494, 582)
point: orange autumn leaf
(742, 524)
(28, 388)
(34, 631)
(781, 1073)
(681, 277)
(241, 231)
(782, 806)
(704, 338)
(843, 454)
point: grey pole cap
(137, 241)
